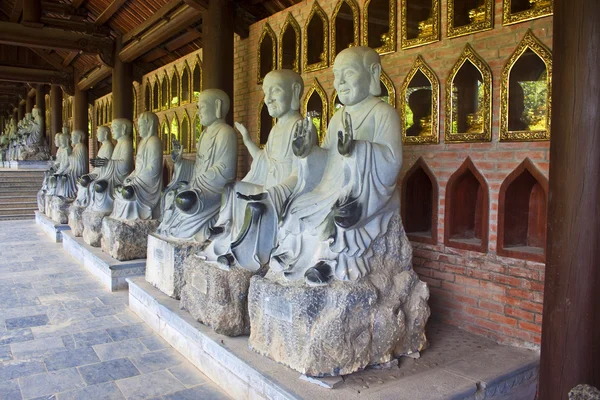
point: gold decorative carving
(355, 25)
(156, 93)
(485, 110)
(174, 75)
(185, 69)
(164, 135)
(389, 85)
(290, 21)
(185, 121)
(135, 110)
(532, 43)
(388, 39)
(318, 12)
(333, 103)
(539, 8)
(429, 30)
(267, 31)
(316, 87)
(482, 19)
(165, 105)
(430, 133)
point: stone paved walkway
(62, 336)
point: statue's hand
(301, 141)
(128, 181)
(347, 213)
(127, 192)
(243, 131)
(346, 138)
(177, 150)
(251, 197)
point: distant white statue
(139, 196)
(78, 166)
(193, 199)
(84, 186)
(62, 159)
(34, 145)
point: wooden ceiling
(154, 33)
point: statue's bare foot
(319, 275)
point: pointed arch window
(315, 105)
(379, 25)
(316, 40)
(155, 95)
(164, 135)
(185, 133)
(289, 45)
(335, 105)
(267, 52)
(185, 85)
(147, 96)
(197, 79)
(197, 132)
(174, 88)
(469, 16)
(344, 28)
(420, 22)
(175, 134)
(164, 92)
(420, 203)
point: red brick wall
(494, 296)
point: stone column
(40, 102)
(80, 112)
(217, 55)
(56, 117)
(570, 353)
(122, 81)
(29, 102)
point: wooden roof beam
(77, 3)
(34, 75)
(57, 39)
(109, 12)
(154, 54)
(69, 59)
(187, 37)
(94, 77)
(63, 9)
(157, 16)
(181, 19)
(16, 11)
(79, 26)
(200, 5)
(52, 58)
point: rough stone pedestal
(48, 205)
(216, 297)
(126, 240)
(60, 209)
(92, 227)
(345, 326)
(41, 201)
(164, 263)
(76, 219)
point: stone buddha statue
(327, 233)
(192, 208)
(105, 152)
(139, 196)
(34, 144)
(62, 158)
(112, 168)
(269, 183)
(77, 166)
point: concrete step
(29, 185)
(18, 211)
(11, 179)
(29, 203)
(5, 194)
(16, 217)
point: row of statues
(24, 140)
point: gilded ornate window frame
(167, 81)
(324, 63)
(435, 36)
(290, 21)
(332, 99)
(175, 75)
(425, 69)
(534, 44)
(474, 27)
(509, 18)
(148, 88)
(134, 94)
(187, 147)
(316, 87)
(176, 120)
(389, 85)
(198, 63)
(355, 22)
(486, 73)
(390, 46)
(266, 31)
(157, 85)
(162, 132)
(185, 68)
(259, 123)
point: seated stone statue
(191, 209)
(112, 172)
(63, 155)
(271, 179)
(34, 145)
(84, 182)
(139, 196)
(78, 166)
(327, 233)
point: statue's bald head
(77, 136)
(290, 82)
(103, 133)
(367, 58)
(148, 124)
(214, 95)
(123, 125)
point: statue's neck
(358, 105)
(290, 115)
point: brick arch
(419, 205)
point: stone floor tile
(87, 339)
(5, 353)
(9, 390)
(130, 332)
(103, 391)
(108, 371)
(124, 348)
(16, 336)
(36, 348)
(149, 385)
(27, 322)
(16, 369)
(50, 383)
(157, 360)
(154, 343)
(59, 316)
(93, 324)
(127, 317)
(107, 310)
(71, 358)
(204, 392)
(189, 375)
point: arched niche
(420, 22)
(155, 95)
(185, 132)
(514, 11)
(164, 135)
(316, 40)
(335, 105)
(167, 174)
(267, 51)
(467, 209)
(419, 205)
(315, 105)
(147, 96)
(134, 96)
(289, 45)
(522, 210)
(197, 79)
(175, 134)
(526, 94)
(185, 84)
(164, 92)
(469, 16)
(344, 27)
(197, 132)
(419, 105)
(388, 91)
(109, 112)
(468, 99)
(174, 88)
(265, 123)
(379, 25)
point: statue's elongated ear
(219, 106)
(296, 94)
(375, 85)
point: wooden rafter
(187, 37)
(78, 26)
(147, 24)
(51, 58)
(77, 3)
(109, 12)
(16, 11)
(69, 59)
(63, 9)
(35, 75)
(200, 5)
(94, 77)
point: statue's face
(143, 127)
(102, 134)
(65, 130)
(351, 78)
(207, 110)
(278, 95)
(117, 129)
(75, 138)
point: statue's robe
(308, 234)
(63, 155)
(78, 166)
(36, 136)
(214, 168)
(86, 194)
(146, 181)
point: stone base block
(112, 273)
(76, 219)
(48, 205)
(126, 240)
(337, 329)
(216, 297)
(60, 209)
(164, 263)
(43, 165)
(92, 227)
(51, 228)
